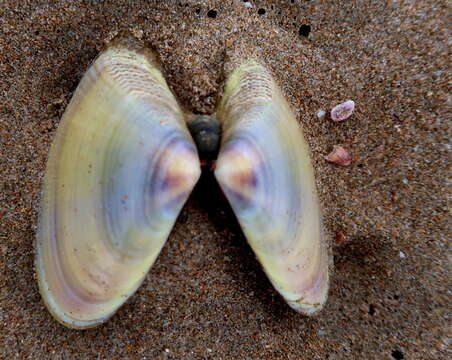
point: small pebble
(402, 254)
(342, 111)
(339, 156)
(339, 237)
(321, 114)
(138, 33)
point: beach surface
(207, 297)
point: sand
(207, 297)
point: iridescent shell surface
(265, 172)
(120, 169)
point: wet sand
(207, 297)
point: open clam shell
(120, 169)
(265, 172)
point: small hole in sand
(360, 165)
(397, 354)
(261, 11)
(197, 11)
(371, 309)
(212, 14)
(304, 30)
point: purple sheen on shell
(342, 111)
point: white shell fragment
(120, 169)
(343, 111)
(321, 114)
(265, 172)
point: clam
(265, 172)
(123, 163)
(119, 171)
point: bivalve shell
(120, 169)
(265, 172)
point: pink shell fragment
(342, 111)
(339, 156)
